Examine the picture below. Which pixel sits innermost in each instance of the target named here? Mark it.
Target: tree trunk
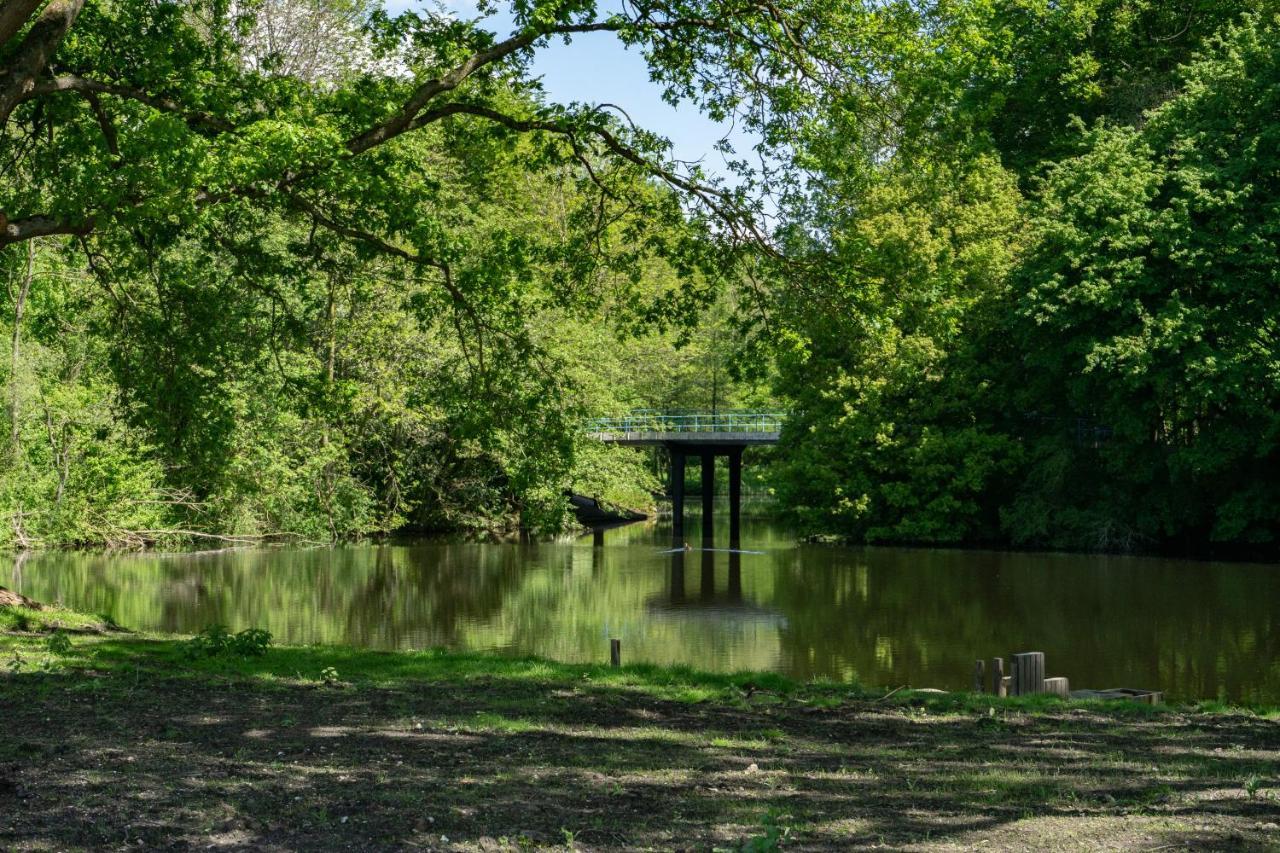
(15, 402)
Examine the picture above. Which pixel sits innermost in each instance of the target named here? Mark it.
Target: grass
(117, 739)
(46, 619)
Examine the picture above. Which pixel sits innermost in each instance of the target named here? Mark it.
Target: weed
(772, 837)
(58, 643)
(1252, 785)
(329, 675)
(217, 641)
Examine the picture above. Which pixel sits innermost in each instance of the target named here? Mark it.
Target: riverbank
(113, 739)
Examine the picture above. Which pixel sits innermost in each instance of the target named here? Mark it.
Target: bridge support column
(677, 577)
(708, 496)
(735, 497)
(677, 497)
(735, 577)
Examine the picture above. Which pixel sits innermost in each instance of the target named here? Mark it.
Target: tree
(896, 434)
(1147, 307)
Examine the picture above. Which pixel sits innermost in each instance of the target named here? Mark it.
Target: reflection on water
(879, 616)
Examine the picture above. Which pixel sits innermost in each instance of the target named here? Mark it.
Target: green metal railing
(645, 421)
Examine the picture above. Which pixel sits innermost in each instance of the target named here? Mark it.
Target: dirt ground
(116, 760)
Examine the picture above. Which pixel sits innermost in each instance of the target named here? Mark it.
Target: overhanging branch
(14, 15)
(31, 58)
(84, 86)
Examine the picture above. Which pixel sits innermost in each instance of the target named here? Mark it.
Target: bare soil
(120, 760)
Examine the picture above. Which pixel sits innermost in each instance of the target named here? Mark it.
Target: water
(880, 616)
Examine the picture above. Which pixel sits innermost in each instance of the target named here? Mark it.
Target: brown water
(880, 616)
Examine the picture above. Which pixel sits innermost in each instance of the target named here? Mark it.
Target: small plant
(1252, 785)
(774, 834)
(217, 641)
(329, 675)
(58, 643)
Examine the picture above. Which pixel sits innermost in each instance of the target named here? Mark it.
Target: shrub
(217, 641)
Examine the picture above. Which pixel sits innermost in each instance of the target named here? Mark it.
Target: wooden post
(979, 675)
(1028, 673)
(615, 653)
(997, 676)
(1058, 687)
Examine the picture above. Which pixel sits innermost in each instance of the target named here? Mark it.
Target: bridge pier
(735, 497)
(677, 496)
(679, 454)
(708, 497)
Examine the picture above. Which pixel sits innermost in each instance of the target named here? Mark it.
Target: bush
(217, 641)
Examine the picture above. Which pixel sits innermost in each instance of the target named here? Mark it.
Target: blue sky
(595, 68)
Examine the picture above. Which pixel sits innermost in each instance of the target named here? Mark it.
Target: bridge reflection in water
(879, 616)
(696, 434)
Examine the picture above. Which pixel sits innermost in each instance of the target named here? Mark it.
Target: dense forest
(315, 270)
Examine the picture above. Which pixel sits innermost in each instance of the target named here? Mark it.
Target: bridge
(702, 434)
(649, 429)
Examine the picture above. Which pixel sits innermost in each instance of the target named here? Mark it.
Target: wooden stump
(997, 676)
(1058, 687)
(979, 676)
(615, 653)
(1028, 673)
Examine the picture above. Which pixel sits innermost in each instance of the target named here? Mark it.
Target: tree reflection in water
(880, 616)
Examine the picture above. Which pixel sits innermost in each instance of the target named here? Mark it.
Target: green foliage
(1020, 288)
(1023, 74)
(1143, 308)
(273, 306)
(890, 439)
(775, 832)
(217, 641)
(58, 643)
(1082, 360)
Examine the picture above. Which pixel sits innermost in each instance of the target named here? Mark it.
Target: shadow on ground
(115, 760)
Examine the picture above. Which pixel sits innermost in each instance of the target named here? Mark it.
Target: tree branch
(17, 230)
(14, 14)
(404, 118)
(717, 201)
(33, 53)
(72, 83)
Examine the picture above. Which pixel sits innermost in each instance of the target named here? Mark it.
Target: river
(878, 616)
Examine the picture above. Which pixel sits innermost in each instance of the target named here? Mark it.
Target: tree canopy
(307, 266)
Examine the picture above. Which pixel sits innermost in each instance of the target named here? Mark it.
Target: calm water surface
(880, 616)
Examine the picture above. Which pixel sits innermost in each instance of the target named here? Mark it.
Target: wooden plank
(979, 675)
(1028, 673)
(997, 676)
(615, 653)
(1006, 684)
